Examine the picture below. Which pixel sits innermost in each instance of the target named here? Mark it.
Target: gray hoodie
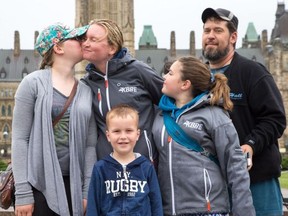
(189, 181)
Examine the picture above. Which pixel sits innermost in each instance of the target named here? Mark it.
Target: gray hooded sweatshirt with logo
(189, 181)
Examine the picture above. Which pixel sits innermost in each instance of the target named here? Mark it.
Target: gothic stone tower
(120, 11)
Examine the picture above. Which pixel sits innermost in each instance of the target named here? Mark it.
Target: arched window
(9, 110)
(8, 60)
(24, 72)
(3, 110)
(3, 74)
(26, 60)
(6, 132)
(149, 60)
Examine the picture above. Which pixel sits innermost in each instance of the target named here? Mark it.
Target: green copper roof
(251, 33)
(148, 38)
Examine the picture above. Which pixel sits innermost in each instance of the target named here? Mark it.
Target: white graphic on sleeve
(130, 186)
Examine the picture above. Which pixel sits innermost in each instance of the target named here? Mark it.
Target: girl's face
(173, 83)
(72, 49)
(95, 46)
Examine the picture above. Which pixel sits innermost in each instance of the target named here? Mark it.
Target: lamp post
(5, 136)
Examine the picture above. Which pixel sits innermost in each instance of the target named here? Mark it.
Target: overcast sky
(181, 16)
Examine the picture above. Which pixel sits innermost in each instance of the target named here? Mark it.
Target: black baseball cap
(221, 13)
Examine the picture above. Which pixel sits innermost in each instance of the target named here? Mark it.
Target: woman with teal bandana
(52, 163)
(200, 159)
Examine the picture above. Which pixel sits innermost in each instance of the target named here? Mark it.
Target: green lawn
(284, 180)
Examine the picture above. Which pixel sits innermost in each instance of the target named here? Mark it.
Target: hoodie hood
(134, 163)
(119, 60)
(168, 104)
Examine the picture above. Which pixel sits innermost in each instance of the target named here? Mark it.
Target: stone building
(17, 63)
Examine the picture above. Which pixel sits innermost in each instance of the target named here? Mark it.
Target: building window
(3, 110)
(9, 110)
(148, 60)
(26, 60)
(8, 60)
(24, 72)
(3, 74)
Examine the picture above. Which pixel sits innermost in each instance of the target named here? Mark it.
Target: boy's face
(123, 134)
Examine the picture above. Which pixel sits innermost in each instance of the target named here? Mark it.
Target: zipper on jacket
(107, 87)
(100, 101)
(207, 181)
(149, 146)
(163, 141)
(163, 136)
(171, 178)
(125, 174)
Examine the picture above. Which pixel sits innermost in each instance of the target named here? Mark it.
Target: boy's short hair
(122, 110)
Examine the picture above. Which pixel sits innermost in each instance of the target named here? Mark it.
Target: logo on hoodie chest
(123, 183)
(127, 89)
(236, 96)
(123, 88)
(194, 125)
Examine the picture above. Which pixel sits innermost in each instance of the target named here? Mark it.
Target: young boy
(124, 182)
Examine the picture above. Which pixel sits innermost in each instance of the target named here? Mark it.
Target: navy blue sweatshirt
(124, 190)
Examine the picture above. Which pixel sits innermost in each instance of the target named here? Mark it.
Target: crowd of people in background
(125, 140)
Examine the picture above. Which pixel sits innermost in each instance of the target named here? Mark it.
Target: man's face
(216, 39)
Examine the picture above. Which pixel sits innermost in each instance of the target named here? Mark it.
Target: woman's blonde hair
(202, 80)
(114, 33)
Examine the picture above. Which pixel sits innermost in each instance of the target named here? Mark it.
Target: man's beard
(215, 55)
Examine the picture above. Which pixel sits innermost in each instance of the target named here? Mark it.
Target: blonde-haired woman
(199, 152)
(115, 77)
(53, 141)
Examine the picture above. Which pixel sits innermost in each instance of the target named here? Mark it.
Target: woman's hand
(24, 210)
(84, 206)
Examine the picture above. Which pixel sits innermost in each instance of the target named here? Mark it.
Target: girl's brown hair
(202, 80)
(47, 60)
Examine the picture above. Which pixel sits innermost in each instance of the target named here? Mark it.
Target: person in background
(199, 152)
(258, 114)
(166, 67)
(52, 162)
(124, 182)
(116, 77)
